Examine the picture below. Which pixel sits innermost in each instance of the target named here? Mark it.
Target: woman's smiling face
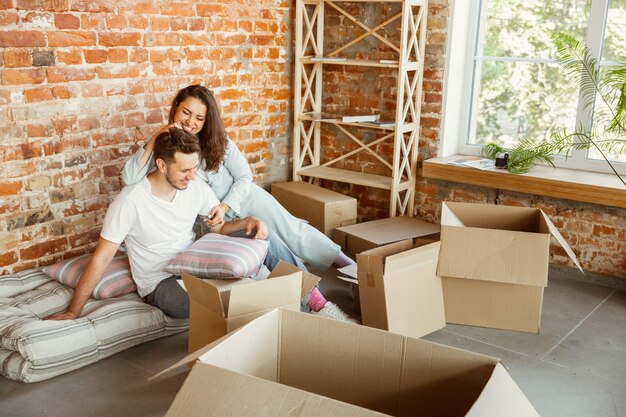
(191, 115)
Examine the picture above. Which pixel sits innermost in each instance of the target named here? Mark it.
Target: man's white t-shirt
(155, 230)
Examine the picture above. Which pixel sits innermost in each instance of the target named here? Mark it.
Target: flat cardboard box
(363, 236)
(218, 307)
(321, 208)
(289, 363)
(494, 264)
(399, 288)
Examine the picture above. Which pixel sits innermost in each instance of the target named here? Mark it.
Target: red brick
(61, 92)
(38, 94)
(66, 21)
(89, 123)
(8, 19)
(49, 5)
(35, 131)
(119, 39)
(71, 38)
(93, 6)
(17, 58)
(44, 249)
(159, 24)
(177, 9)
(6, 4)
(134, 119)
(8, 258)
(118, 55)
(23, 76)
(10, 188)
(118, 72)
(13, 38)
(158, 56)
(145, 7)
(139, 55)
(137, 22)
(194, 54)
(95, 56)
(61, 75)
(211, 10)
(178, 23)
(72, 57)
(117, 22)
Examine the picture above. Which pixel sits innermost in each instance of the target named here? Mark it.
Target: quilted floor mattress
(32, 349)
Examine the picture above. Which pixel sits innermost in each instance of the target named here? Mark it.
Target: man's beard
(178, 187)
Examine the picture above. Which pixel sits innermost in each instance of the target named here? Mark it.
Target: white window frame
(463, 48)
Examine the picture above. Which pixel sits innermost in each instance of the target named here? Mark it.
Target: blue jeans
(173, 300)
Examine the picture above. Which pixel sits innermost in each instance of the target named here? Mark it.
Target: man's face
(182, 170)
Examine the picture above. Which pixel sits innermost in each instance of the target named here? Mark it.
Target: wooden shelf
(403, 33)
(351, 177)
(568, 184)
(385, 63)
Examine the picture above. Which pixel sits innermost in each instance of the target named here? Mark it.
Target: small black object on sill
(502, 160)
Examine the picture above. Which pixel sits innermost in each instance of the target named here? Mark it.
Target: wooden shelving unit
(311, 59)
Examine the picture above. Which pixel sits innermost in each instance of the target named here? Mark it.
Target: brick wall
(596, 233)
(83, 81)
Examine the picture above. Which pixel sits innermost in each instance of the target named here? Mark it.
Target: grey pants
(173, 300)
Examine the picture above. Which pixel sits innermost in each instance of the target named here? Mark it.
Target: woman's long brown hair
(213, 138)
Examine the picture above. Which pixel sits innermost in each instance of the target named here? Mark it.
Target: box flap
(210, 391)
(490, 216)
(204, 293)
(389, 230)
(502, 397)
(309, 280)
(555, 232)
(264, 295)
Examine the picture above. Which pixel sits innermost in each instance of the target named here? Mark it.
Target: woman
(226, 170)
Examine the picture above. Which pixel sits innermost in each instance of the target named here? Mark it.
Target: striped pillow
(220, 256)
(116, 279)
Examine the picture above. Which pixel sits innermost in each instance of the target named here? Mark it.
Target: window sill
(569, 184)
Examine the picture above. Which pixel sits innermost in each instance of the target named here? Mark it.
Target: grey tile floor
(576, 367)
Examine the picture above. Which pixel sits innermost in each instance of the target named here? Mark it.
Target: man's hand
(66, 315)
(256, 226)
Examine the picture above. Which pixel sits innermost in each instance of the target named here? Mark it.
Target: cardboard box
(399, 288)
(289, 363)
(218, 307)
(363, 236)
(323, 209)
(494, 264)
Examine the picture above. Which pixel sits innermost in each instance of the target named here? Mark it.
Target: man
(155, 219)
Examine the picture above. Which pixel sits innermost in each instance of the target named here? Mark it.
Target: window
(503, 83)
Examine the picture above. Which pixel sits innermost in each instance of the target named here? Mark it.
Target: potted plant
(606, 87)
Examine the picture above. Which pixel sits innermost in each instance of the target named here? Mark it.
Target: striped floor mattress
(33, 350)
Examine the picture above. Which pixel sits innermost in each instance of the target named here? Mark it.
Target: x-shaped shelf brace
(310, 24)
(362, 147)
(308, 97)
(414, 29)
(369, 31)
(307, 150)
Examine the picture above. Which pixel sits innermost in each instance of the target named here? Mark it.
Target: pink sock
(316, 300)
(343, 260)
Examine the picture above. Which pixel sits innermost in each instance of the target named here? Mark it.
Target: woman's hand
(217, 214)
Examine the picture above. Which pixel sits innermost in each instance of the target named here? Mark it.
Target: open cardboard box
(289, 363)
(323, 209)
(494, 264)
(218, 307)
(399, 288)
(360, 237)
